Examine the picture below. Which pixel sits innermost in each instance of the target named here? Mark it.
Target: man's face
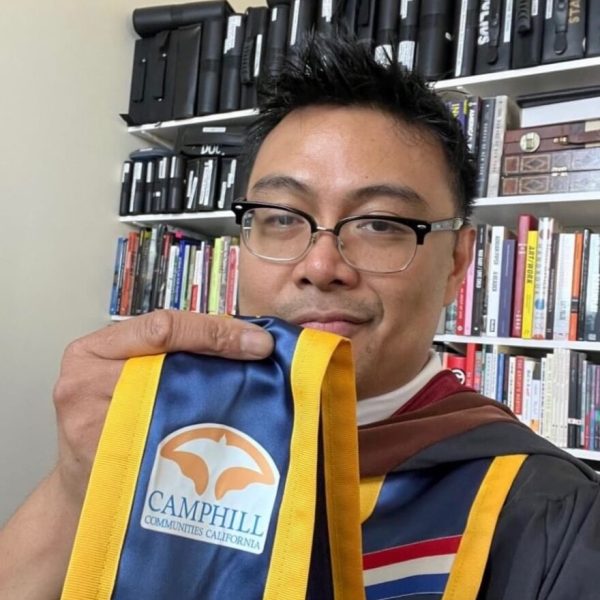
(337, 162)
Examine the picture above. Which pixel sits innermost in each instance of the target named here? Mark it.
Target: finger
(175, 331)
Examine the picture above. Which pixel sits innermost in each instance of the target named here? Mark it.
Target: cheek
(260, 285)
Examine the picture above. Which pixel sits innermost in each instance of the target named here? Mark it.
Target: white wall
(64, 68)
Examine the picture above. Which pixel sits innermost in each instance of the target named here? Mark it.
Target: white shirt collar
(381, 407)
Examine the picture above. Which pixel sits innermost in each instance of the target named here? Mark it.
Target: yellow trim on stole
(370, 488)
(340, 452)
(290, 558)
(109, 497)
(467, 571)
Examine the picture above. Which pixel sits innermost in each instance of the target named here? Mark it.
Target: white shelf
(584, 454)
(579, 209)
(217, 222)
(543, 78)
(164, 133)
(518, 342)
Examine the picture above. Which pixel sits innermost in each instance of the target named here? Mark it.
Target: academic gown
(546, 545)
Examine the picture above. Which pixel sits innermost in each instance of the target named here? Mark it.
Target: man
(341, 137)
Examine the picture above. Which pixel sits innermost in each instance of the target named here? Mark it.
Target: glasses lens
(377, 245)
(275, 233)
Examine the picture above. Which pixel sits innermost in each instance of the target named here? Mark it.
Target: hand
(92, 364)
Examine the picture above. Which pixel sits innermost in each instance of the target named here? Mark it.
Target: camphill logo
(212, 483)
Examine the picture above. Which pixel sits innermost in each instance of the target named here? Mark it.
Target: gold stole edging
(474, 549)
(322, 366)
(111, 489)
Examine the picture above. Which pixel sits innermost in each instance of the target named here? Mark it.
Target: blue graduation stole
(427, 533)
(211, 473)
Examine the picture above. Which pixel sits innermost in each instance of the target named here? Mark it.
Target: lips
(345, 325)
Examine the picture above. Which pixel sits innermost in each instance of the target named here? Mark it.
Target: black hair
(341, 71)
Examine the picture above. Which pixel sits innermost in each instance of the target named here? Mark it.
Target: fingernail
(256, 343)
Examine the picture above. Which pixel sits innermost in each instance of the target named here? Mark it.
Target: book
(506, 116)
(215, 276)
(547, 226)
(494, 271)
(529, 285)
(482, 243)
(526, 223)
(128, 273)
(505, 309)
(550, 308)
(486, 126)
(585, 256)
(117, 275)
(575, 288)
(564, 284)
(465, 37)
(591, 332)
(469, 283)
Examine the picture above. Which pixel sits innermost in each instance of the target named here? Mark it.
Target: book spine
(506, 287)
(485, 140)
(564, 283)
(482, 243)
(585, 259)
(526, 222)
(510, 396)
(117, 276)
(132, 243)
(232, 280)
(575, 297)
(494, 272)
(545, 230)
(529, 287)
(215, 276)
(502, 119)
(518, 407)
(591, 331)
(552, 289)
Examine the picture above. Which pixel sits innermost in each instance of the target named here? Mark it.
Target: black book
(148, 96)
(564, 30)
(495, 33)
(229, 96)
(161, 186)
(136, 198)
(551, 304)
(386, 31)
(149, 186)
(466, 27)
(482, 244)
(193, 174)
(175, 198)
(528, 32)
(593, 29)
(209, 171)
(486, 127)
(434, 44)
(209, 77)
(408, 32)
(302, 21)
(365, 21)
(185, 46)
(279, 15)
(126, 178)
(226, 186)
(253, 51)
(148, 21)
(325, 23)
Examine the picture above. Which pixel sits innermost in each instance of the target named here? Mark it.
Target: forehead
(333, 158)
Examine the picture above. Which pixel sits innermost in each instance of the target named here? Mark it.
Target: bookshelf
(571, 209)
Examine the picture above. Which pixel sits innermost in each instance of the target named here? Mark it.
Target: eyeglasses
(371, 243)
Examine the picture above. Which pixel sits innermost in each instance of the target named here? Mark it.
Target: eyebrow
(403, 193)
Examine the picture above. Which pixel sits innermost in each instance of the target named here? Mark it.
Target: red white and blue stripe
(418, 568)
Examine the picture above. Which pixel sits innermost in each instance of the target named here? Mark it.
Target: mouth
(344, 325)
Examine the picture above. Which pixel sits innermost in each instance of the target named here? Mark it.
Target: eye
(381, 227)
(282, 220)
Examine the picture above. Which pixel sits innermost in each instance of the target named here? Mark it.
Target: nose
(323, 266)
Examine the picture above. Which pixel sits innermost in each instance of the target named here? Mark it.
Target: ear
(462, 255)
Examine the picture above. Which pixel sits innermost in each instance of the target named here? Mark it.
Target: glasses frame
(421, 228)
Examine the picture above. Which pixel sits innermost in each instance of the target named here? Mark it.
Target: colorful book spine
(529, 285)
(591, 331)
(575, 288)
(494, 272)
(526, 223)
